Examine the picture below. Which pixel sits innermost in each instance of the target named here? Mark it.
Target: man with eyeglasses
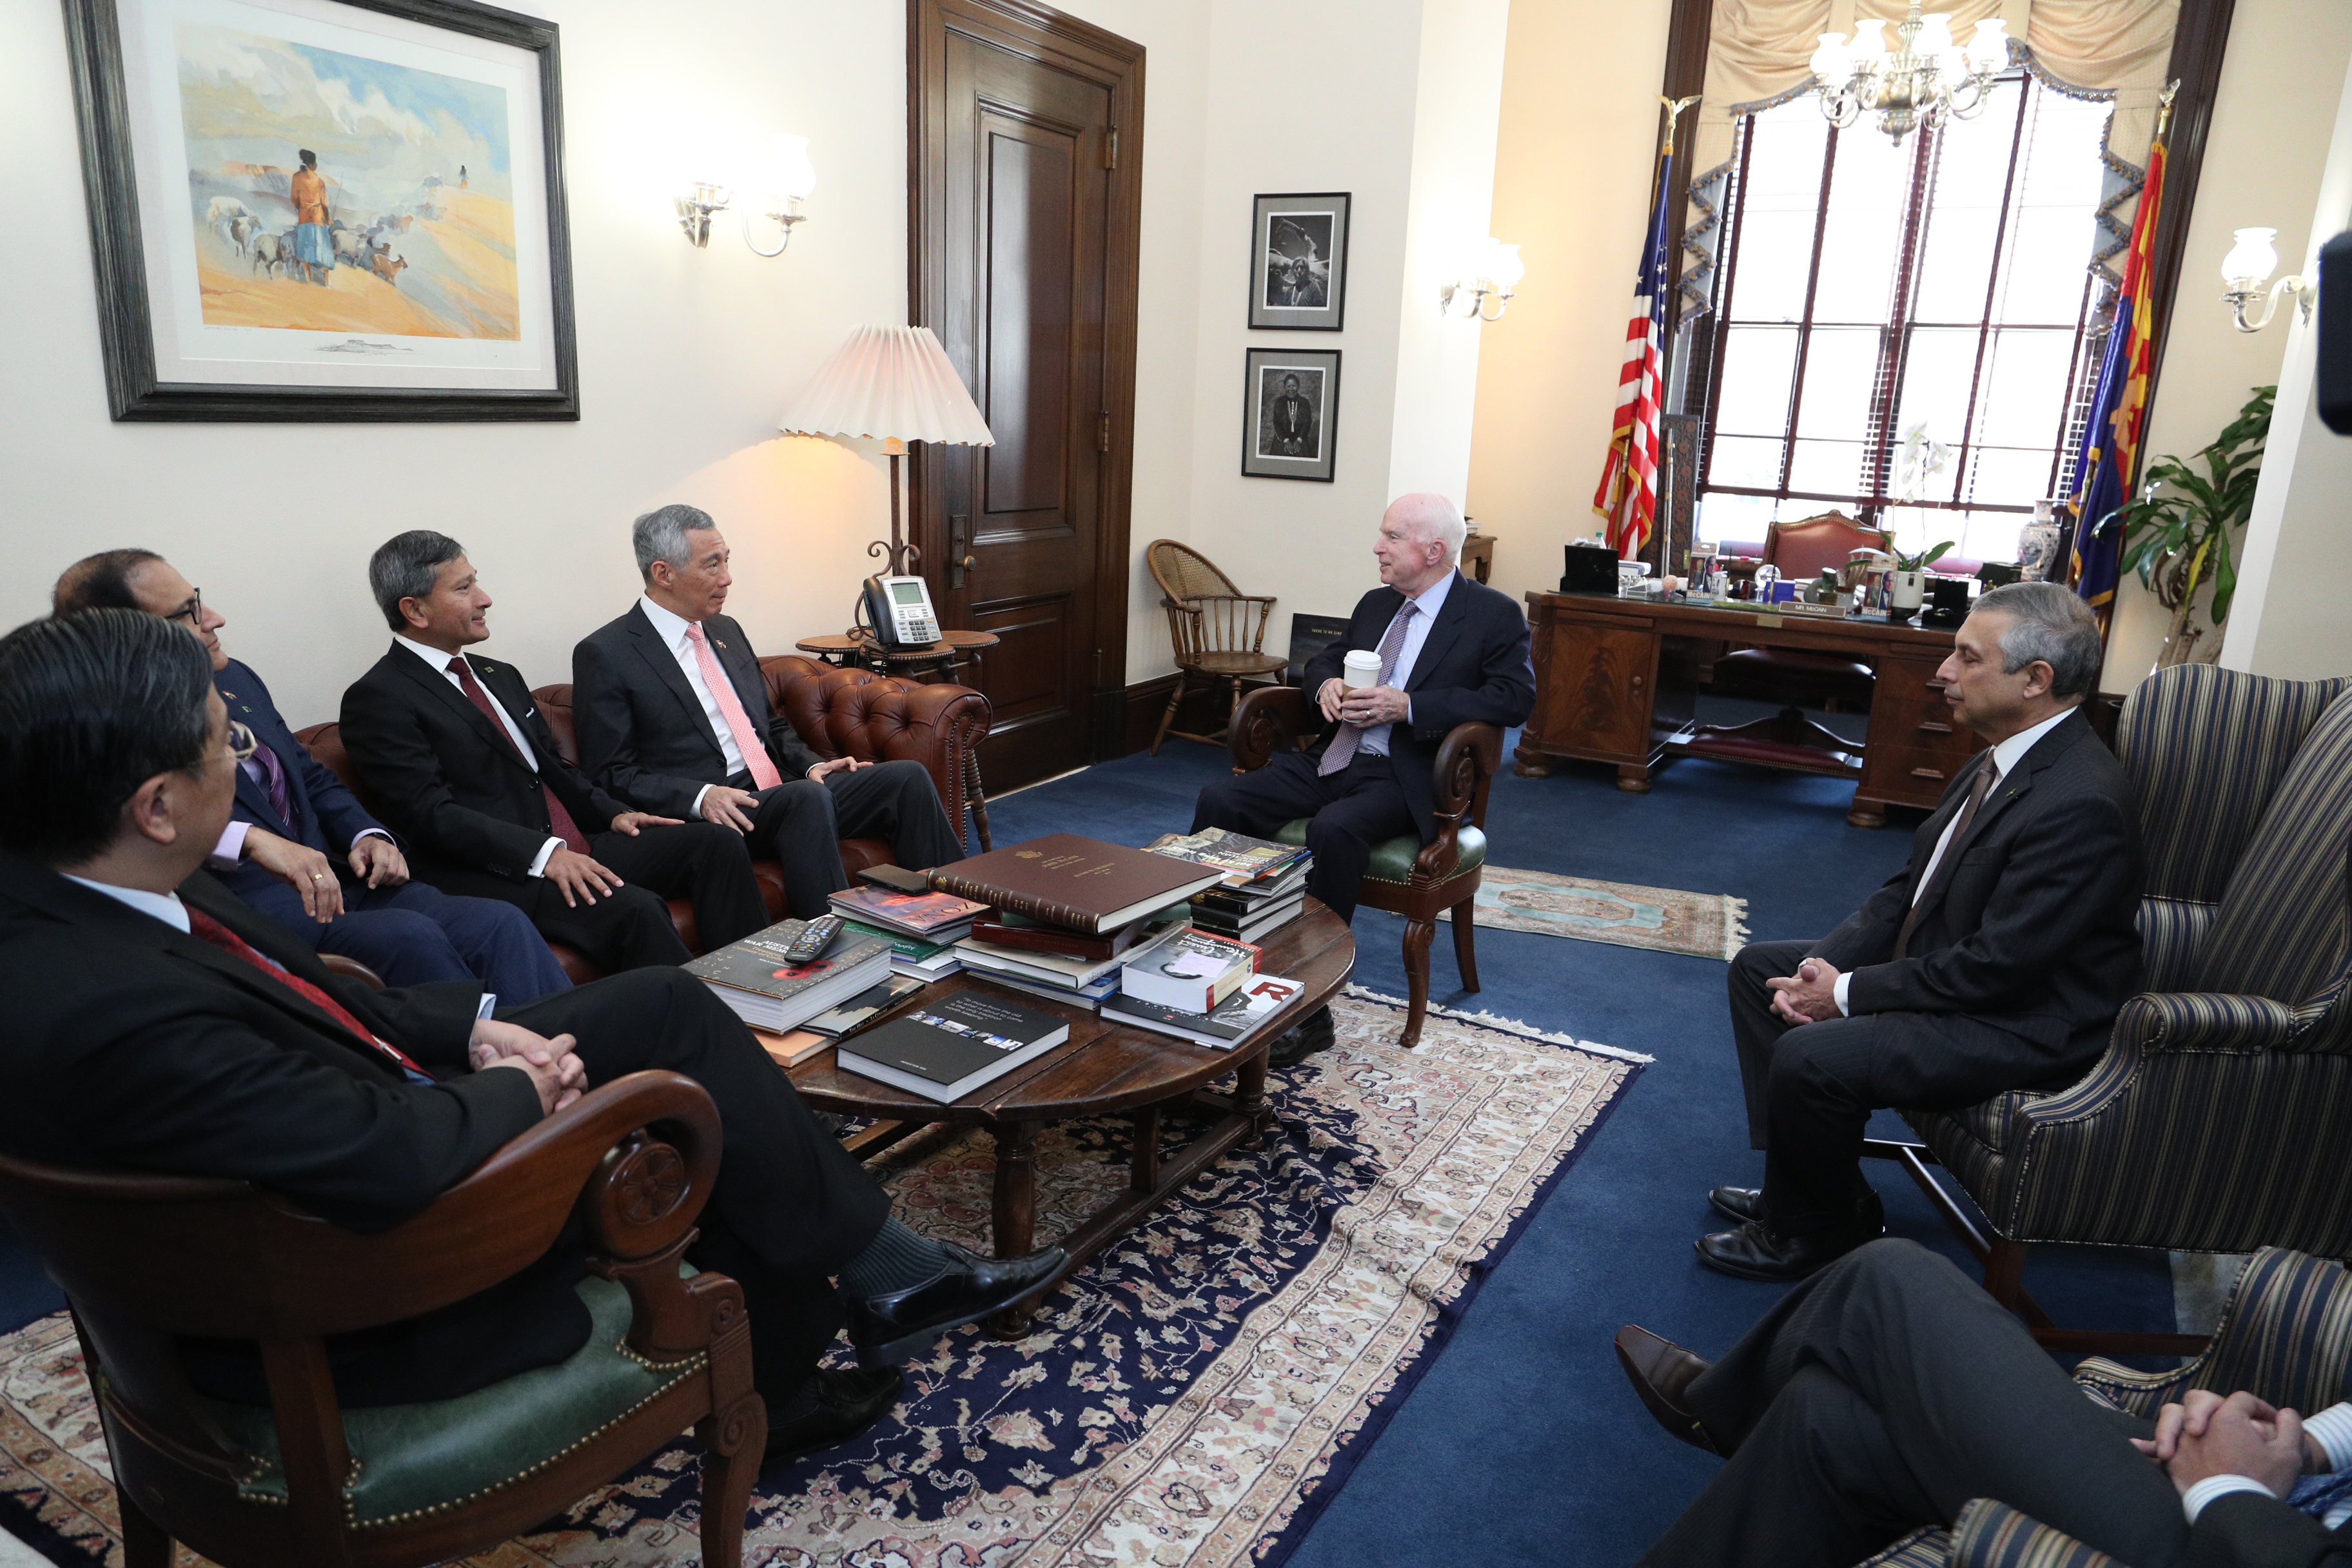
(300, 847)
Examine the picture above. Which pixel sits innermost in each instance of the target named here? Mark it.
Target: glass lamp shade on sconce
(788, 178)
(2247, 268)
(1491, 272)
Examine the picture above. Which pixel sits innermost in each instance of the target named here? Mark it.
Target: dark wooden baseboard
(1202, 712)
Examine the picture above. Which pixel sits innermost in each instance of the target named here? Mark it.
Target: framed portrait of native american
(1290, 411)
(1299, 262)
(326, 209)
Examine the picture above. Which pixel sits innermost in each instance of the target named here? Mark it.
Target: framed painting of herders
(326, 209)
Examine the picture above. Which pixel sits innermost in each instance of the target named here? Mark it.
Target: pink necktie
(731, 708)
(1343, 745)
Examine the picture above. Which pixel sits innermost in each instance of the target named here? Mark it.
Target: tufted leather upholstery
(837, 712)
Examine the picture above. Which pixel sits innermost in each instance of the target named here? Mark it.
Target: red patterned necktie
(1343, 745)
(209, 930)
(558, 820)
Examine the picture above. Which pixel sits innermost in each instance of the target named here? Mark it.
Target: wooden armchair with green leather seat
(145, 1259)
(1407, 878)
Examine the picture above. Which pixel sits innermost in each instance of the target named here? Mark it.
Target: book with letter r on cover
(944, 1049)
(752, 977)
(1084, 884)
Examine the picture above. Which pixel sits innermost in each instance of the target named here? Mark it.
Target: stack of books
(753, 978)
(1191, 971)
(1239, 1018)
(1060, 965)
(944, 1049)
(1264, 884)
(921, 928)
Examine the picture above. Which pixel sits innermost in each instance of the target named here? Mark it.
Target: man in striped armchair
(1886, 1391)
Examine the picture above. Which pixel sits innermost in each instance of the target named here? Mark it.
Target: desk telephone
(900, 610)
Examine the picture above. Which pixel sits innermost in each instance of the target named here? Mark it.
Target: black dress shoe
(1740, 1204)
(1314, 1033)
(886, 1329)
(1755, 1251)
(1660, 1372)
(847, 1402)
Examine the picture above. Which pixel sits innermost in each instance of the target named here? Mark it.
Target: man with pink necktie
(457, 757)
(673, 716)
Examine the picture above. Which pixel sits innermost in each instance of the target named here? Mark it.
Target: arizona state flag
(1628, 493)
(2111, 435)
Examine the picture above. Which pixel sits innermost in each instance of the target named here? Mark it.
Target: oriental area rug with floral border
(1195, 1396)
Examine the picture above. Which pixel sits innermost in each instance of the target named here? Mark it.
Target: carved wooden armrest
(1267, 719)
(1466, 765)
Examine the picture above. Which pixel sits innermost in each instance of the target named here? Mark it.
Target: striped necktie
(1342, 749)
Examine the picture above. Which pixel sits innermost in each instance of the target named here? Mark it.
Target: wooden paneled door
(1025, 146)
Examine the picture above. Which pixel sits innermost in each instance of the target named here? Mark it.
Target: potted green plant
(1908, 585)
(2176, 535)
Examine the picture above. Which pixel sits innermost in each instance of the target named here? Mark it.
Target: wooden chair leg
(2004, 1277)
(734, 1440)
(144, 1543)
(1418, 935)
(1168, 716)
(1465, 940)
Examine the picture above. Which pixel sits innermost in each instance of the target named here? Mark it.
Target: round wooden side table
(938, 661)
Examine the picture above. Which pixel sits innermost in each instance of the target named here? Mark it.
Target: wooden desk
(1615, 680)
(1478, 555)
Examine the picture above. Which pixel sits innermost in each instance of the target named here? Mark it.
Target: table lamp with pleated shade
(892, 384)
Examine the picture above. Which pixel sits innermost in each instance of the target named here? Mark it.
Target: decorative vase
(1905, 590)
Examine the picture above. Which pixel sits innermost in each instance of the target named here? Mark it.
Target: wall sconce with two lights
(793, 178)
(2248, 266)
(1491, 272)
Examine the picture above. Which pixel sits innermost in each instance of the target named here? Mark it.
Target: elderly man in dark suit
(454, 747)
(1886, 1391)
(157, 1024)
(674, 718)
(1995, 960)
(1452, 652)
(299, 847)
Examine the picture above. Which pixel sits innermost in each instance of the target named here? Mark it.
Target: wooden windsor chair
(1219, 632)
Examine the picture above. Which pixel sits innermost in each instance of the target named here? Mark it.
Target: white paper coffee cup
(1360, 669)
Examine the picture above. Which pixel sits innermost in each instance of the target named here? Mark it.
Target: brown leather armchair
(837, 712)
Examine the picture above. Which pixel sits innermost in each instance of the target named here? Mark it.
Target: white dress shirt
(1426, 605)
(440, 663)
(673, 628)
(2006, 755)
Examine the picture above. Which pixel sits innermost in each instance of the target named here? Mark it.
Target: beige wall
(1580, 121)
(2272, 117)
(2289, 619)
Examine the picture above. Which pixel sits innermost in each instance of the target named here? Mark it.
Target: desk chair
(1801, 550)
(1208, 619)
(1406, 877)
(2284, 1335)
(145, 1259)
(2216, 1120)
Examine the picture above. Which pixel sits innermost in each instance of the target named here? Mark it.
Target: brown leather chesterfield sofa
(838, 713)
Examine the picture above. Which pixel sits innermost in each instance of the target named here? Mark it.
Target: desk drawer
(1913, 770)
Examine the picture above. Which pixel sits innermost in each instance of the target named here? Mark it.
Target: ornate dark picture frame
(1299, 261)
(127, 320)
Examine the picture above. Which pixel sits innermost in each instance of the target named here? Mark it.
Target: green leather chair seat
(1392, 859)
(413, 1460)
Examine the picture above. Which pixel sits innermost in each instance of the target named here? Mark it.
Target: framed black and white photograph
(1299, 262)
(312, 210)
(1290, 413)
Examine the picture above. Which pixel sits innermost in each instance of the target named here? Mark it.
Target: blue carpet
(1523, 1436)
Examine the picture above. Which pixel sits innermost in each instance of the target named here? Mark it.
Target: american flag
(1628, 496)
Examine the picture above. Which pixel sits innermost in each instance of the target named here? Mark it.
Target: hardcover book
(1082, 883)
(944, 1049)
(1241, 858)
(862, 1009)
(1006, 930)
(752, 977)
(791, 1051)
(933, 917)
(1233, 1021)
(1192, 970)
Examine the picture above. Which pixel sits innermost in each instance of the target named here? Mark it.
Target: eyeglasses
(192, 612)
(242, 742)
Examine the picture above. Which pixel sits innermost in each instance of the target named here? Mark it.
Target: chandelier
(1925, 80)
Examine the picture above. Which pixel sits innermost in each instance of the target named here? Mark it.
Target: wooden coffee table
(1103, 1067)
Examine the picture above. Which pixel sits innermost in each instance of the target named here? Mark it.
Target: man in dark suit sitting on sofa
(1452, 652)
(156, 1023)
(1995, 960)
(674, 718)
(299, 847)
(454, 747)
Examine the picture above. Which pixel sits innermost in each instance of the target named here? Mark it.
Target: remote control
(814, 938)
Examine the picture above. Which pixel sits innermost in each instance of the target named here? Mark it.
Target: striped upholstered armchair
(2216, 1120)
(2285, 1334)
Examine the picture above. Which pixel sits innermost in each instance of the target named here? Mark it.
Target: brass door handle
(1926, 773)
(969, 562)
